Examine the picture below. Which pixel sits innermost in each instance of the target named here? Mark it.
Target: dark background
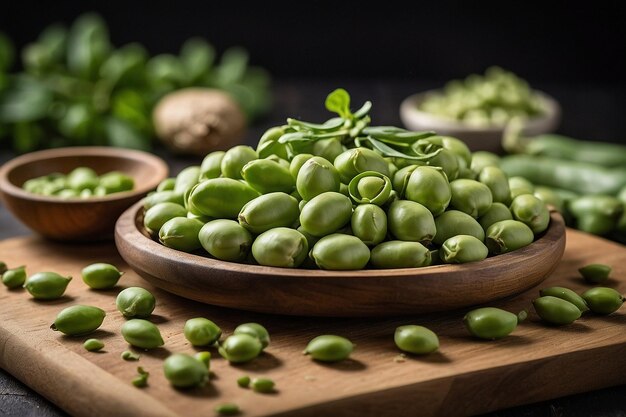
(577, 54)
(546, 42)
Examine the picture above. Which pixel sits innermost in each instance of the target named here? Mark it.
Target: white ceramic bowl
(477, 138)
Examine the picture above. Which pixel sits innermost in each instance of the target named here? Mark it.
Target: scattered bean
(78, 319)
(329, 348)
(93, 345)
(595, 273)
(142, 334)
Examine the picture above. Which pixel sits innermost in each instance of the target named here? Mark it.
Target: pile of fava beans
(335, 203)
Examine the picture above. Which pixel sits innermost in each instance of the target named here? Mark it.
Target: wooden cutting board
(465, 377)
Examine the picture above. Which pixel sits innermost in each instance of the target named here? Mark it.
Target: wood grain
(362, 293)
(75, 218)
(466, 377)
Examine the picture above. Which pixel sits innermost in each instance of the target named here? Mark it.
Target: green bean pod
(579, 177)
(597, 214)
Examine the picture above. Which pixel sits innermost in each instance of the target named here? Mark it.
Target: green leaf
(396, 134)
(24, 101)
(364, 110)
(232, 66)
(329, 125)
(165, 70)
(26, 137)
(121, 134)
(125, 65)
(197, 57)
(6, 52)
(130, 105)
(88, 46)
(388, 151)
(54, 40)
(338, 102)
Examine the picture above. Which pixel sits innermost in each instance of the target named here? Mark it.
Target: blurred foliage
(76, 88)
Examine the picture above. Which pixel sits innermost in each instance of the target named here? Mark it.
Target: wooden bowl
(477, 138)
(76, 219)
(337, 293)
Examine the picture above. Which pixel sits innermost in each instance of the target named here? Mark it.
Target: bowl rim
(6, 186)
(409, 110)
(127, 229)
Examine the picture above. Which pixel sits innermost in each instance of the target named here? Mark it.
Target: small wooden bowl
(477, 138)
(383, 292)
(76, 219)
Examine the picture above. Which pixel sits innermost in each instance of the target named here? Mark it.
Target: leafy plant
(76, 88)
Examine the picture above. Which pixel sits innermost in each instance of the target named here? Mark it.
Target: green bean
(185, 371)
(201, 332)
(47, 285)
(563, 147)
(416, 339)
(227, 409)
(595, 273)
(142, 334)
(15, 277)
(204, 357)
(135, 302)
(490, 323)
(127, 355)
(141, 380)
(93, 345)
(240, 347)
(101, 276)
(79, 319)
(579, 177)
(262, 385)
(243, 381)
(255, 330)
(555, 310)
(603, 300)
(567, 295)
(329, 348)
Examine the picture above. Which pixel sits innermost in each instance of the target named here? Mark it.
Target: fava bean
(47, 285)
(79, 319)
(142, 334)
(555, 310)
(595, 273)
(603, 300)
(329, 348)
(490, 323)
(416, 339)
